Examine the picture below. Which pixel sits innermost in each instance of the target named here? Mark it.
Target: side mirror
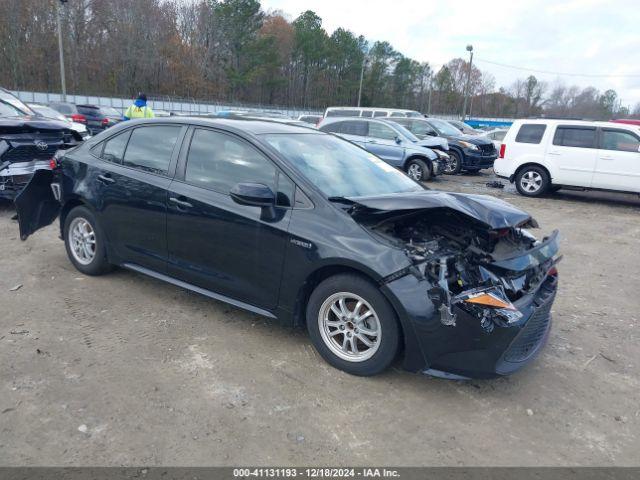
(432, 133)
(253, 194)
(398, 140)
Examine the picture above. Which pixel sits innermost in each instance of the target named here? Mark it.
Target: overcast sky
(596, 37)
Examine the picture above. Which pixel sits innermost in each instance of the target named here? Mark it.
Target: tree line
(234, 51)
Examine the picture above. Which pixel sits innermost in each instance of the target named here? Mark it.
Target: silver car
(391, 142)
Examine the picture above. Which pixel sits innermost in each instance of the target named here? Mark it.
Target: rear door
(573, 154)
(131, 181)
(381, 141)
(618, 163)
(215, 243)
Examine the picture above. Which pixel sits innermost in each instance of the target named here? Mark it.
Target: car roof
(568, 121)
(256, 127)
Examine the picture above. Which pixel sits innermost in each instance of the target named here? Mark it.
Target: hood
(434, 142)
(489, 211)
(476, 140)
(30, 124)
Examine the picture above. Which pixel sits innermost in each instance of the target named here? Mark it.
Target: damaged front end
(478, 266)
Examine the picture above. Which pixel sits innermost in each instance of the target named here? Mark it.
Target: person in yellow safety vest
(139, 109)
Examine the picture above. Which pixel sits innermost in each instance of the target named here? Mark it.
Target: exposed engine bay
(479, 269)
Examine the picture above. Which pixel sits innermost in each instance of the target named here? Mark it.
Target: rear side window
(380, 114)
(354, 128)
(367, 113)
(620, 141)
(530, 133)
(218, 161)
(114, 147)
(332, 127)
(397, 114)
(575, 137)
(150, 148)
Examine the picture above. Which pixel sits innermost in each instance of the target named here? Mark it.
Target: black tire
(96, 264)
(454, 166)
(532, 181)
(419, 170)
(384, 349)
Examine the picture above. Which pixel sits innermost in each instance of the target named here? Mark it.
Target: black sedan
(305, 227)
(468, 153)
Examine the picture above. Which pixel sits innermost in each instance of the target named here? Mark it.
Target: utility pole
(364, 62)
(430, 92)
(466, 90)
(62, 79)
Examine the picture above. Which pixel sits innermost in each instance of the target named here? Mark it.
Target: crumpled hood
(26, 123)
(492, 212)
(434, 142)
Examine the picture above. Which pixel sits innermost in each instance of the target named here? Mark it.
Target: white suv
(546, 155)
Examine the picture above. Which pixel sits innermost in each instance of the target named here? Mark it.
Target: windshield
(339, 168)
(7, 110)
(406, 132)
(444, 128)
(48, 112)
(110, 111)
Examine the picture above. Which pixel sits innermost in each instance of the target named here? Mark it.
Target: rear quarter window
(530, 133)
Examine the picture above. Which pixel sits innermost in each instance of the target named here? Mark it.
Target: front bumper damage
(475, 300)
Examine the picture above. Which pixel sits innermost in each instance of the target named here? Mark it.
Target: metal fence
(169, 104)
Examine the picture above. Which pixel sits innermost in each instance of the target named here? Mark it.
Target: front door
(572, 155)
(618, 165)
(131, 182)
(214, 243)
(381, 141)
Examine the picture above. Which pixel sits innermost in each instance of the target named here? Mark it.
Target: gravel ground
(126, 370)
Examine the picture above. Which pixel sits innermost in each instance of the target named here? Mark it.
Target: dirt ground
(126, 370)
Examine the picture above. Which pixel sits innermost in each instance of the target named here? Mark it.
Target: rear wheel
(532, 181)
(352, 325)
(418, 170)
(454, 165)
(85, 243)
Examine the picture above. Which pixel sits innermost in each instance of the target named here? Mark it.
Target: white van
(370, 112)
(546, 155)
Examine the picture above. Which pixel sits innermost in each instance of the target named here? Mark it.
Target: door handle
(106, 179)
(180, 203)
(554, 153)
(606, 158)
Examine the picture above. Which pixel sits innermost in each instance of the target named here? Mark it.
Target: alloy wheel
(415, 171)
(349, 327)
(82, 240)
(531, 181)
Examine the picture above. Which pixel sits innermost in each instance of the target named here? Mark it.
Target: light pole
(364, 62)
(466, 90)
(62, 79)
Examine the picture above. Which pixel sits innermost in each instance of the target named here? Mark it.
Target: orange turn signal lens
(490, 300)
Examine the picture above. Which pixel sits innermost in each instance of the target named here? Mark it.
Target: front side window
(422, 128)
(150, 148)
(219, 161)
(377, 130)
(339, 168)
(530, 133)
(575, 137)
(620, 141)
(114, 147)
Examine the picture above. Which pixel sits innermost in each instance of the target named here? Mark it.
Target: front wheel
(84, 242)
(352, 325)
(418, 170)
(454, 165)
(532, 181)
